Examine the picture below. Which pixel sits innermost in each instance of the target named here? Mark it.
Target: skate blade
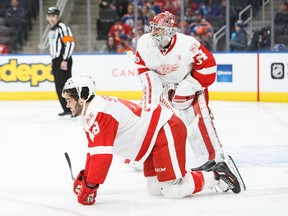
(236, 172)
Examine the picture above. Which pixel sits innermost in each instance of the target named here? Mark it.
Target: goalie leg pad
(203, 137)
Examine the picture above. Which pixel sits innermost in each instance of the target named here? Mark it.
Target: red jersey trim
(171, 46)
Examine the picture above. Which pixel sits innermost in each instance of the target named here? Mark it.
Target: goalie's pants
(167, 159)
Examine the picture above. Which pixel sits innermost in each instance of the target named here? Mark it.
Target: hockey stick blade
(69, 164)
(237, 173)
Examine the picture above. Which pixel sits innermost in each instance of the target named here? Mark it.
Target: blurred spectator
(117, 29)
(128, 18)
(232, 12)
(121, 7)
(3, 49)
(281, 19)
(15, 10)
(146, 11)
(239, 37)
(201, 27)
(110, 46)
(140, 24)
(280, 48)
(209, 8)
(143, 16)
(188, 16)
(154, 7)
(125, 44)
(191, 4)
(107, 4)
(173, 6)
(260, 40)
(15, 17)
(140, 32)
(207, 43)
(181, 25)
(106, 19)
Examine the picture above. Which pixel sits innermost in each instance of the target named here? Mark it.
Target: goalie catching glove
(185, 93)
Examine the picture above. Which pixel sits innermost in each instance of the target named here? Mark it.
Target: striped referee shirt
(61, 41)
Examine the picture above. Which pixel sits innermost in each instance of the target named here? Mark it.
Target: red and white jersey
(185, 55)
(114, 126)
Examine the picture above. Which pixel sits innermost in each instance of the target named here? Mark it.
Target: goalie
(156, 138)
(175, 70)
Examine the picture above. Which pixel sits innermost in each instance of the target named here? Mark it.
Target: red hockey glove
(87, 195)
(78, 182)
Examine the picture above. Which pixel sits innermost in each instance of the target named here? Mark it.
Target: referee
(61, 48)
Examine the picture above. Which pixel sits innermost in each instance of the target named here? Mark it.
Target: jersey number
(201, 57)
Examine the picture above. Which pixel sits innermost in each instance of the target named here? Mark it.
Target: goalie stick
(69, 164)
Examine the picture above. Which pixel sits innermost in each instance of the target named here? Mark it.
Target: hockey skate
(228, 173)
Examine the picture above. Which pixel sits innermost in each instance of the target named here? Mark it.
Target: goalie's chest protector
(175, 63)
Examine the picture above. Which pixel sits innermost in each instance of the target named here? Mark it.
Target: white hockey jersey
(114, 126)
(185, 55)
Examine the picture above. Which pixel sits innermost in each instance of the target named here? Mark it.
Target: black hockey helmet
(53, 10)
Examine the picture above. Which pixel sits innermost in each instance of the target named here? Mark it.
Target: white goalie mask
(78, 83)
(163, 28)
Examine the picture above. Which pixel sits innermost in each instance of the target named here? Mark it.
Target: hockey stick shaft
(69, 164)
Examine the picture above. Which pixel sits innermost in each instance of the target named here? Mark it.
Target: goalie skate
(228, 172)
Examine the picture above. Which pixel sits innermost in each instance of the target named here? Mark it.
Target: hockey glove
(87, 195)
(78, 182)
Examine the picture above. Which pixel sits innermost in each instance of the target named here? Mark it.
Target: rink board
(240, 76)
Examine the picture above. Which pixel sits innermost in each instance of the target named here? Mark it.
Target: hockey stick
(69, 164)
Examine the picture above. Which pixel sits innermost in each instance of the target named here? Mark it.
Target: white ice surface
(35, 178)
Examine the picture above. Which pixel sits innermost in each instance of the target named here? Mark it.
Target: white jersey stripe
(210, 70)
(100, 150)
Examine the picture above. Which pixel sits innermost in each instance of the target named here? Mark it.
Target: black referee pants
(60, 77)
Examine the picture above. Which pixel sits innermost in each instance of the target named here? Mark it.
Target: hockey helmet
(163, 28)
(53, 10)
(75, 85)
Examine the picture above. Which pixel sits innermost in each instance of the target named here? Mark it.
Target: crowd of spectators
(202, 18)
(15, 22)
(261, 38)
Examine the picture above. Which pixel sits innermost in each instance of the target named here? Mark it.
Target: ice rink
(35, 178)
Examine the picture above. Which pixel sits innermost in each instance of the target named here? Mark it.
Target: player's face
(52, 19)
(157, 31)
(76, 107)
